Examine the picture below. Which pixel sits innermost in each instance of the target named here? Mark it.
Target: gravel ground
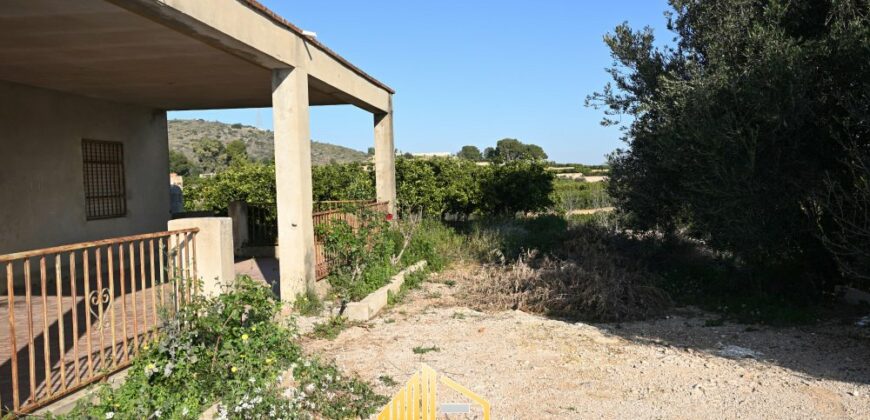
(532, 367)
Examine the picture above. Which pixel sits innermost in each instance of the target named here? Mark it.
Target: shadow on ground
(833, 350)
(264, 269)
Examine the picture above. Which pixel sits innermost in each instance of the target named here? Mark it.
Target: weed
(387, 380)
(458, 315)
(230, 350)
(331, 328)
(718, 322)
(308, 304)
(450, 283)
(424, 350)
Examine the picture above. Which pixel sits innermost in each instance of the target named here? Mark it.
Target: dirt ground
(532, 367)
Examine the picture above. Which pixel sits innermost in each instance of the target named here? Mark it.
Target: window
(105, 194)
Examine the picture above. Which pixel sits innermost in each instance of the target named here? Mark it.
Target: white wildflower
(309, 388)
(110, 415)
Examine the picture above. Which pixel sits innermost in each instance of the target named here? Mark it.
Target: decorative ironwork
(100, 301)
(75, 287)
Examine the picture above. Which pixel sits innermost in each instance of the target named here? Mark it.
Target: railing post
(213, 255)
(238, 212)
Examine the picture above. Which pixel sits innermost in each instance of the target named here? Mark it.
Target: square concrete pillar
(385, 158)
(296, 258)
(238, 212)
(214, 250)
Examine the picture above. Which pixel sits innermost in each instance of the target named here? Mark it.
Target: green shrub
(361, 255)
(229, 349)
(348, 181)
(569, 194)
(434, 242)
(253, 183)
(515, 187)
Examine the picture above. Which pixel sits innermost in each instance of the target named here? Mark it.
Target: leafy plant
(308, 304)
(331, 328)
(230, 350)
(424, 350)
(362, 254)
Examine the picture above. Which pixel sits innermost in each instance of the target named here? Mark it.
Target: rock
(737, 352)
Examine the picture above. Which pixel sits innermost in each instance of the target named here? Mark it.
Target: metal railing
(350, 212)
(98, 303)
(262, 225)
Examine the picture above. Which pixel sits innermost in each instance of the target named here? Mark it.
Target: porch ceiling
(97, 49)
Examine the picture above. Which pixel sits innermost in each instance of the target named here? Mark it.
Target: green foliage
(437, 187)
(253, 183)
(387, 380)
(425, 349)
(569, 194)
(230, 350)
(515, 187)
(433, 242)
(431, 187)
(331, 328)
(735, 130)
(361, 252)
(308, 304)
(237, 152)
(511, 150)
(471, 153)
(180, 164)
(843, 215)
(211, 155)
(349, 181)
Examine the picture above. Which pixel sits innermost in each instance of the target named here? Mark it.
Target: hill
(260, 143)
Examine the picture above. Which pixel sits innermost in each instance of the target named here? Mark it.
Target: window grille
(105, 192)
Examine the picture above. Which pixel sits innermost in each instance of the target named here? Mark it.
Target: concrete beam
(238, 28)
(385, 158)
(296, 256)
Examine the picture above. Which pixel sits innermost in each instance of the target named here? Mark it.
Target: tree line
(434, 187)
(505, 150)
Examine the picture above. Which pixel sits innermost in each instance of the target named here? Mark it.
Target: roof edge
(274, 17)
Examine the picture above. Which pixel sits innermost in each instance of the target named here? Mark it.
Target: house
(84, 91)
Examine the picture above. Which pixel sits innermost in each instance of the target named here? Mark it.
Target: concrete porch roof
(172, 54)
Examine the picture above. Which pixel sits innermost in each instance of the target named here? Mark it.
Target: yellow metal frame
(416, 400)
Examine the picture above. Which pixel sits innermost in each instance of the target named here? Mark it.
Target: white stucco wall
(41, 183)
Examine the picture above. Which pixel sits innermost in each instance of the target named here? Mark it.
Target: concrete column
(296, 256)
(385, 158)
(238, 212)
(214, 250)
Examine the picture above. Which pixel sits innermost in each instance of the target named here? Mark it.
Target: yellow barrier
(416, 400)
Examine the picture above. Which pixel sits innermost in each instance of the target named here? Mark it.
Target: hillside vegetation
(183, 134)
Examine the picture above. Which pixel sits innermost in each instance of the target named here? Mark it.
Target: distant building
(432, 155)
(560, 168)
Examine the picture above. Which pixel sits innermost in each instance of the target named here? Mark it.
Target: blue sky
(470, 72)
